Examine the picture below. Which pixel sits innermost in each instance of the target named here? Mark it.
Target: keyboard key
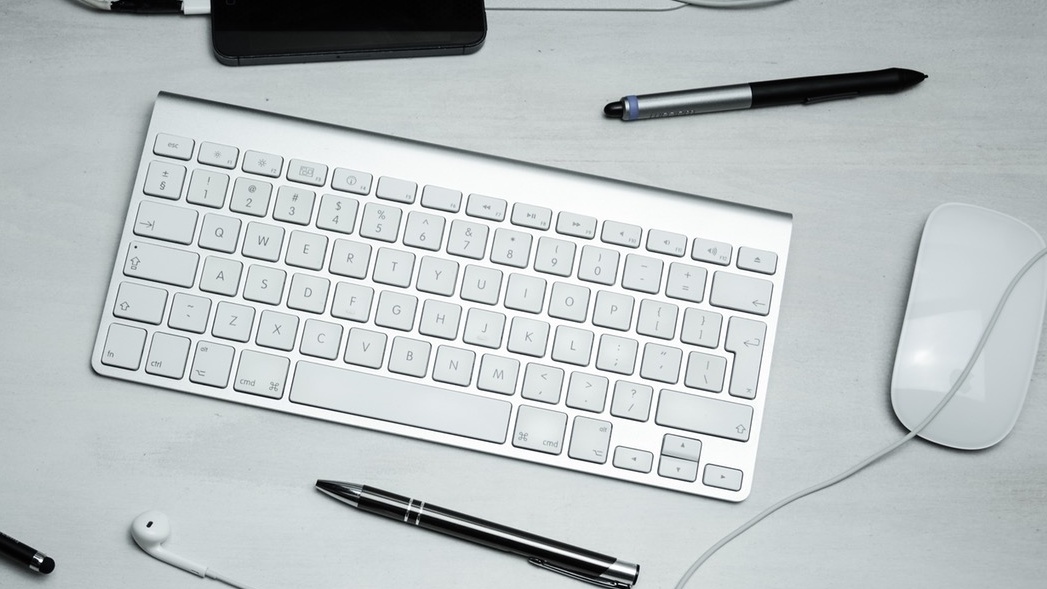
(437, 275)
(337, 213)
(569, 301)
(381, 222)
(215, 154)
(277, 330)
(745, 338)
(453, 366)
(310, 173)
(164, 180)
(264, 284)
(395, 267)
(681, 447)
(440, 319)
(353, 181)
(722, 477)
(498, 374)
(481, 284)
(189, 313)
(365, 348)
(703, 415)
(573, 345)
(590, 439)
(599, 265)
(657, 319)
(631, 401)
(173, 146)
(666, 242)
(676, 468)
(701, 328)
(761, 261)
(352, 302)
(159, 263)
(621, 234)
(164, 222)
(525, 293)
(219, 233)
(485, 207)
(661, 363)
(633, 459)
(396, 310)
(207, 188)
(308, 293)
(261, 374)
(642, 273)
(407, 403)
(167, 355)
(294, 205)
(685, 282)
(705, 372)
(441, 199)
(409, 356)
(484, 328)
(396, 190)
(467, 239)
(350, 258)
(617, 354)
(714, 252)
(212, 364)
(123, 346)
(321, 339)
(542, 383)
(140, 303)
(554, 256)
(613, 310)
(511, 248)
(424, 231)
(263, 242)
(221, 276)
(263, 164)
(250, 197)
(233, 322)
(531, 216)
(306, 250)
(741, 293)
(540, 430)
(576, 225)
(529, 337)
(587, 392)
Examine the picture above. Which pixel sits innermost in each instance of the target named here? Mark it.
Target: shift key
(158, 263)
(703, 415)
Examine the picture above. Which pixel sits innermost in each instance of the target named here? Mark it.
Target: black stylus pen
(26, 556)
(757, 94)
(577, 563)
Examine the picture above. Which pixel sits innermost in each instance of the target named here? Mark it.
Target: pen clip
(827, 98)
(577, 576)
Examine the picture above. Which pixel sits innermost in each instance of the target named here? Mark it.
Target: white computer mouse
(967, 257)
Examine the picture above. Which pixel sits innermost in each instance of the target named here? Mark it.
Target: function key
(346, 180)
(576, 225)
(441, 199)
(532, 216)
(486, 207)
(714, 252)
(173, 146)
(215, 154)
(761, 261)
(396, 190)
(263, 164)
(664, 242)
(307, 172)
(621, 234)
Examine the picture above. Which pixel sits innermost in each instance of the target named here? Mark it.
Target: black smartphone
(248, 32)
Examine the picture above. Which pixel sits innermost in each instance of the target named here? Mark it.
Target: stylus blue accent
(634, 108)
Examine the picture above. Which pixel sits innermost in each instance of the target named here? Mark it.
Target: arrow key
(675, 468)
(722, 477)
(633, 459)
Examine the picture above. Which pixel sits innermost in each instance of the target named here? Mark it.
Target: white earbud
(150, 530)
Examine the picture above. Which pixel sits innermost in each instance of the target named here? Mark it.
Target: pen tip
(48, 565)
(614, 109)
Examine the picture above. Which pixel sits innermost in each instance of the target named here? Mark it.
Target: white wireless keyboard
(524, 311)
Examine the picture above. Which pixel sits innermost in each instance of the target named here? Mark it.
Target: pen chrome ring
(37, 562)
(689, 102)
(623, 574)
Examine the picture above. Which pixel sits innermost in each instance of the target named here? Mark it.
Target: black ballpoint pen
(36, 561)
(807, 90)
(577, 563)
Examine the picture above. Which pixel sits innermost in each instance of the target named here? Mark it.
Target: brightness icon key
(263, 164)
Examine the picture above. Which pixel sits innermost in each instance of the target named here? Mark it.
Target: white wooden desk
(81, 455)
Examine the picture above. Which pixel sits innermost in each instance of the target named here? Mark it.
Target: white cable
(731, 3)
(219, 577)
(681, 4)
(885, 451)
(191, 7)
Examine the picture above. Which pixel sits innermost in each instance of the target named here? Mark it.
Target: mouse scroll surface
(967, 257)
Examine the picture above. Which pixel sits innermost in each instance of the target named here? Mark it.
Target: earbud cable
(212, 574)
(888, 449)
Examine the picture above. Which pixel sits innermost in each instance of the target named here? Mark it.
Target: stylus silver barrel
(692, 102)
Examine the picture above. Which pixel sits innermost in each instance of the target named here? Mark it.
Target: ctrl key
(123, 346)
(540, 430)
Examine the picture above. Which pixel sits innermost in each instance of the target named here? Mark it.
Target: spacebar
(406, 403)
